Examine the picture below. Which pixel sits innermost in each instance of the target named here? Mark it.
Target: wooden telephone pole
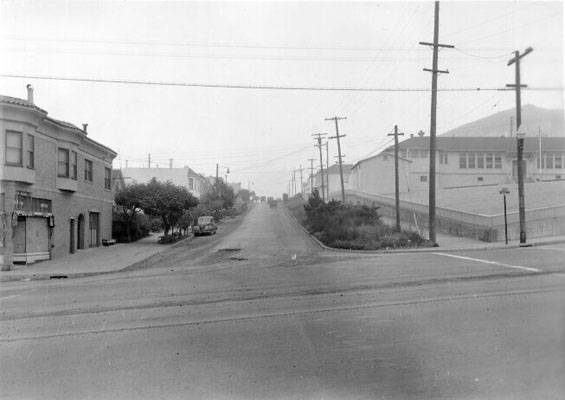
(338, 136)
(396, 180)
(319, 146)
(520, 142)
(432, 178)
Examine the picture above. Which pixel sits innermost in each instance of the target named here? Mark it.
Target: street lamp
(504, 191)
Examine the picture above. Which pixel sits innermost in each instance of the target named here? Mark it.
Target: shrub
(352, 227)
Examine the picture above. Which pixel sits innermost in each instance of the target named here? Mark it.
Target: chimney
(411, 135)
(84, 128)
(421, 133)
(29, 93)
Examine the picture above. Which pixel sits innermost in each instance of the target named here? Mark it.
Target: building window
(443, 158)
(479, 178)
(88, 170)
(74, 165)
(489, 158)
(63, 170)
(480, 160)
(462, 160)
(30, 151)
(497, 161)
(14, 148)
(190, 183)
(107, 178)
(423, 178)
(558, 161)
(41, 205)
(549, 160)
(471, 160)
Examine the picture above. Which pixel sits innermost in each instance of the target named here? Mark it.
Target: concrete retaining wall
(543, 222)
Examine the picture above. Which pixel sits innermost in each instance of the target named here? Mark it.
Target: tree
(221, 196)
(167, 201)
(244, 195)
(129, 203)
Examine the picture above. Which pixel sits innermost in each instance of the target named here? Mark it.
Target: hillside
(551, 123)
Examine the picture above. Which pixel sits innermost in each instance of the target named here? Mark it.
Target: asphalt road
(261, 312)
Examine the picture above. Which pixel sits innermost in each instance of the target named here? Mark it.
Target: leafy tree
(244, 195)
(129, 203)
(167, 201)
(221, 196)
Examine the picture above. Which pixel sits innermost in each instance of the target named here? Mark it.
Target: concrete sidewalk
(88, 262)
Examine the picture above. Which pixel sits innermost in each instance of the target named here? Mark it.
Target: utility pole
(337, 136)
(148, 160)
(294, 181)
(301, 182)
(170, 163)
(319, 146)
(396, 189)
(432, 178)
(520, 141)
(311, 175)
(328, 170)
(217, 169)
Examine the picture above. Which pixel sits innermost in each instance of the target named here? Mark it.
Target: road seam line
(530, 269)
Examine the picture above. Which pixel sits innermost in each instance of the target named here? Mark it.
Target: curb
(46, 276)
(419, 250)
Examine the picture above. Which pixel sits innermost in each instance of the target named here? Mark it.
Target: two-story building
(55, 185)
(461, 162)
(195, 183)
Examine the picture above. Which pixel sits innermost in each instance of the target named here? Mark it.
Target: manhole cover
(238, 258)
(228, 250)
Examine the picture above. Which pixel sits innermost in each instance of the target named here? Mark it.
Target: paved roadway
(264, 313)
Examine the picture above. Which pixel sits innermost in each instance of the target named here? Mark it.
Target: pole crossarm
(518, 56)
(447, 46)
(440, 71)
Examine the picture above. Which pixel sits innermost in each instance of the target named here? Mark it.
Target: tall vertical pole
(328, 170)
(505, 221)
(148, 160)
(294, 181)
(338, 136)
(217, 169)
(311, 175)
(520, 142)
(432, 178)
(301, 183)
(319, 146)
(396, 180)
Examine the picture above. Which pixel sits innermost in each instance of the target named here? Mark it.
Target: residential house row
(55, 185)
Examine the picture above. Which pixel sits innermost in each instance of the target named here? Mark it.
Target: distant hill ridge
(550, 121)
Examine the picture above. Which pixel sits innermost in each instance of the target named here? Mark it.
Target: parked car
(205, 226)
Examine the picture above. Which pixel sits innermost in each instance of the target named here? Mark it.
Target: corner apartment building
(461, 162)
(55, 185)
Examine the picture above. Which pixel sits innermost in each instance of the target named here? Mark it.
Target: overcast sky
(261, 135)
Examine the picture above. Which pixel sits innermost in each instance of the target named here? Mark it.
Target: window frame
(88, 170)
(66, 163)
(73, 161)
(107, 178)
(8, 148)
(462, 160)
(30, 151)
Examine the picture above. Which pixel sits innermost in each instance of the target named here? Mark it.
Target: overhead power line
(263, 87)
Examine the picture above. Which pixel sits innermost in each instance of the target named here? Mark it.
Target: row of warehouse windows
(480, 160)
(551, 161)
(67, 159)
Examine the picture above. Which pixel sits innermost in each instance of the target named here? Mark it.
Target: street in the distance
(267, 313)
